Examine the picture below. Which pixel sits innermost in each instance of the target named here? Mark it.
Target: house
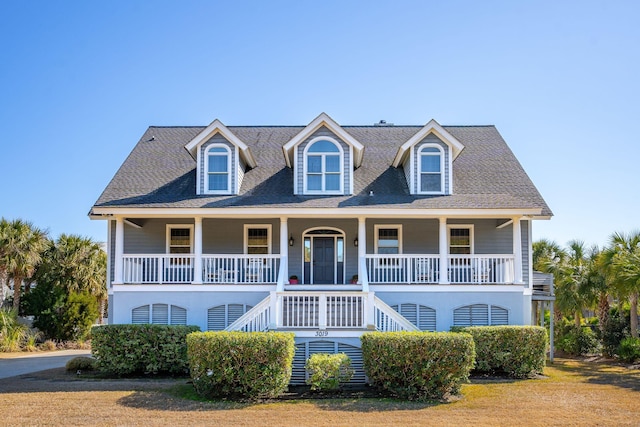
(324, 230)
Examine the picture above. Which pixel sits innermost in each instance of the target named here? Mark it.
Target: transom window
(218, 168)
(179, 239)
(257, 239)
(323, 167)
(431, 159)
(460, 240)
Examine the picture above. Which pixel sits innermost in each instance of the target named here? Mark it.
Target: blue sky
(81, 81)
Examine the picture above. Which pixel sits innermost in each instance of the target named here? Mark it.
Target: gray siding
(217, 139)
(112, 251)
(430, 139)
(226, 236)
(488, 239)
(419, 236)
(151, 238)
(299, 161)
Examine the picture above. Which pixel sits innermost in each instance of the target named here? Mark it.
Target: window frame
(245, 243)
(207, 174)
(442, 168)
(469, 227)
(305, 156)
(168, 237)
(376, 230)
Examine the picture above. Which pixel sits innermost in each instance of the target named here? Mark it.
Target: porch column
(517, 251)
(442, 244)
(284, 249)
(362, 251)
(197, 251)
(119, 250)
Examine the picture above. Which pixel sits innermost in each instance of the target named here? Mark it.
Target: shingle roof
(160, 173)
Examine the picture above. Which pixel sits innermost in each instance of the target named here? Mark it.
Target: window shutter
(178, 315)
(499, 316)
(216, 318)
(234, 313)
(160, 314)
(479, 315)
(140, 315)
(427, 318)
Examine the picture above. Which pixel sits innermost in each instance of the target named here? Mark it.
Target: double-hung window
(431, 165)
(460, 240)
(323, 161)
(179, 239)
(258, 239)
(218, 169)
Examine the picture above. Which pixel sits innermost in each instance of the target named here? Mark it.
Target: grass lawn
(574, 392)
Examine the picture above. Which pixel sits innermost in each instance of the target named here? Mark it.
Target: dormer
(221, 160)
(427, 160)
(323, 156)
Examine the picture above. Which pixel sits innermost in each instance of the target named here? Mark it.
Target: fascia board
(217, 127)
(243, 212)
(431, 127)
(323, 120)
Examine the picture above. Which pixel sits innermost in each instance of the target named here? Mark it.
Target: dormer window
(218, 165)
(431, 159)
(323, 161)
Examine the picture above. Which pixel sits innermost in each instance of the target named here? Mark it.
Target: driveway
(13, 365)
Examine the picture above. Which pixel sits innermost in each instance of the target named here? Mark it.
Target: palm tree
(623, 260)
(4, 226)
(23, 247)
(78, 264)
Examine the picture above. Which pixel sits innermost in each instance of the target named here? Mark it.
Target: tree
(572, 291)
(71, 282)
(4, 226)
(23, 245)
(623, 261)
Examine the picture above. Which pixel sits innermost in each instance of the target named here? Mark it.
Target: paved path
(34, 362)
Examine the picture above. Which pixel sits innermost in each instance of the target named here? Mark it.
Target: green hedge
(328, 371)
(518, 351)
(240, 364)
(418, 365)
(141, 349)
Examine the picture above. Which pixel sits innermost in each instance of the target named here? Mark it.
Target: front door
(323, 260)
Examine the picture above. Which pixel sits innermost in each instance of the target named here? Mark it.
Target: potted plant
(354, 279)
(293, 280)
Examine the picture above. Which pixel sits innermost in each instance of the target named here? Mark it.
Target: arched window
(323, 168)
(431, 160)
(218, 168)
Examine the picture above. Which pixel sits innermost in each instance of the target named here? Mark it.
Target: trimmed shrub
(141, 349)
(418, 365)
(518, 351)
(328, 371)
(629, 350)
(240, 364)
(81, 363)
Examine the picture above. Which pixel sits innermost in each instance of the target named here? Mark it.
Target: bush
(418, 365)
(518, 351)
(81, 363)
(12, 332)
(614, 330)
(328, 371)
(629, 350)
(240, 364)
(578, 341)
(141, 349)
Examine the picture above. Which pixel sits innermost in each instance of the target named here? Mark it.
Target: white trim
(245, 243)
(215, 127)
(305, 154)
(292, 212)
(430, 128)
(377, 227)
(419, 171)
(170, 227)
(530, 252)
(230, 169)
(305, 234)
(463, 226)
(449, 288)
(193, 288)
(322, 120)
(109, 255)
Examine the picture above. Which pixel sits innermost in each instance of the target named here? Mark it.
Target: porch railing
(216, 269)
(425, 269)
(321, 310)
